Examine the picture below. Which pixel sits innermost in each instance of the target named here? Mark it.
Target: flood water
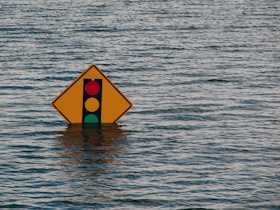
(203, 77)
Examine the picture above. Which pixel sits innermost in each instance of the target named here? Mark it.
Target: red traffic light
(92, 88)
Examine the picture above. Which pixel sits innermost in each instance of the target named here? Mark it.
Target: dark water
(204, 80)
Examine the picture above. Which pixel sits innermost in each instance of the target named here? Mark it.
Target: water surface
(203, 77)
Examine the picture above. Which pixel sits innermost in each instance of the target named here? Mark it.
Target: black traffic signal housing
(92, 101)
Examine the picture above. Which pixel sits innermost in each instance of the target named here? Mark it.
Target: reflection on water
(89, 155)
(92, 144)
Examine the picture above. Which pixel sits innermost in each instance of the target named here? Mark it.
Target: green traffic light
(91, 118)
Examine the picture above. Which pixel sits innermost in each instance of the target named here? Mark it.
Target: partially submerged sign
(92, 98)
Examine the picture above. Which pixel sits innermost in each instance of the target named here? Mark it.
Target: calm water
(204, 79)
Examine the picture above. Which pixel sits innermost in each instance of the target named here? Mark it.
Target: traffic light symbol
(92, 98)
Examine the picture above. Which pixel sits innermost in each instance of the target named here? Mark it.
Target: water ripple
(203, 77)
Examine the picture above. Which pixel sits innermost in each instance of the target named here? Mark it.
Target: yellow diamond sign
(92, 98)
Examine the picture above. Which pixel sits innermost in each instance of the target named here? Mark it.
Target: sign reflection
(92, 144)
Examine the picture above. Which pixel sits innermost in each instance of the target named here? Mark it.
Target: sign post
(92, 98)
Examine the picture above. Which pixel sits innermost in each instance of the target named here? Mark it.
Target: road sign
(92, 98)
